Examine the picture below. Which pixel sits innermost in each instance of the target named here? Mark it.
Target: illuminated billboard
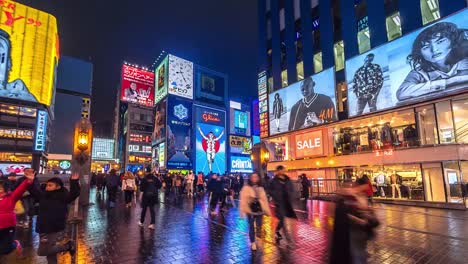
(303, 104)
(240, 122)
(180, 77)
(40, 141)
(137, 86)
(427, 63)
(179, 131)
(30, 52)
(159, 129)
(263, 104)
(240, 145)
(241, 164)
(161, 80)
(210, 86)
(8, 168)
(210, 140)
(103, 149)
(162, 155)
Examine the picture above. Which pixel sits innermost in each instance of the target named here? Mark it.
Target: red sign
(140, 138)
(137, 86)
(211, 117)
(309, 144)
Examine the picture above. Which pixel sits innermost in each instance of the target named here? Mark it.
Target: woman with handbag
(254, 204)
(129, 187)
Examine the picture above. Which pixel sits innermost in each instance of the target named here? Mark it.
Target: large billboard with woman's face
(428, 63)
(29, 53)
(304, 104)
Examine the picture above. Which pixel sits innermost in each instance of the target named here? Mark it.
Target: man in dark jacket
(281, 190)
(215, 188)
(53, 209)
(149, 188)
(112, 183)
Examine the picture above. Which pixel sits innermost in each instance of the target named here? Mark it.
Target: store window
(318, 66)
(445, 122)
(364, 40)
(377, 133)
(338, 50)
(433, 182)
(278, 148)
(427, 125)
(284, 78)
(300, 70)
(429, 10)
(393, 24)
(453, 182)
(460, 114)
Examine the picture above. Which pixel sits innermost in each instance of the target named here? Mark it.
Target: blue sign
(241, 164)
(179, 131)
(40, 139)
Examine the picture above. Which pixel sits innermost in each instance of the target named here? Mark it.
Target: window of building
(445, 122)
(433, 182)
(284, 78)
(300, 70)
(429, 10)
(427, 125)
(364, 40)
(338, 51)
(16, 133)
(453, 182)
(318, 66)
(460, 114)
(393, 24)
(342, 96)
(270, 84)
(15, 157)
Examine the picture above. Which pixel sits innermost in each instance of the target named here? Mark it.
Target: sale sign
(309, 144)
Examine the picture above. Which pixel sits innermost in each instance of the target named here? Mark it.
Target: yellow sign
(29, 53)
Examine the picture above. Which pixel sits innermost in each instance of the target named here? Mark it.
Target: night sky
(218, 34)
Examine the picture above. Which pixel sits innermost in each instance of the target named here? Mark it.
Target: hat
(280, 167)
(148, 169)
(57, 181)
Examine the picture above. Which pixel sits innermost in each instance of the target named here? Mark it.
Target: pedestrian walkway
(185, 233)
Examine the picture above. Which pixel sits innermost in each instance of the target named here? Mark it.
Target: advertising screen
(137, 86)
(8, 168)
(428, 63)
(241, 164)
(263, 104)
(304, 104)
(180, 77)
(210, 140)
(240, 145)
(30, 53)
(162, 155)
(210, 86)
(40, 141)
(179, 131)
(161, 74)
(139, 138)
(240, 122)
(103, 148)
(159, 129)
(255, 118)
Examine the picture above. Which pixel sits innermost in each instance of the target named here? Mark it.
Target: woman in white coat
(254, 204)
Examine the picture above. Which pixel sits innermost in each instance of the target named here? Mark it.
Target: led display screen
(425, 64)
(159, 129)
(180, 77)
(103, 148)
(137, 86)
(8, 168)
(240, 145)
(161, 80)
(30, 52)
(42, 121)
(210, 86)
(179, 131)
(263, 104)
(304, 104)
(241, 164)
(240, 122)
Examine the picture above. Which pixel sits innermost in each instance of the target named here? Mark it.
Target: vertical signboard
(159, 129)
(180, 77)
(161, 80)
(40, 141)
(137, 86)
(179, 131)
(263, 103)
(210, 140)
(255, 118)
(162, 155)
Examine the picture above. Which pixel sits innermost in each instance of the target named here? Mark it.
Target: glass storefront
(278, 148)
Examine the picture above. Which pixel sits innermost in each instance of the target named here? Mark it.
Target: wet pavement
(185, 233)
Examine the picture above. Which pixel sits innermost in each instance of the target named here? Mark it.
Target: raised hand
(30, 174)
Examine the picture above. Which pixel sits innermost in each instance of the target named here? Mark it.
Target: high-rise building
(376, 88)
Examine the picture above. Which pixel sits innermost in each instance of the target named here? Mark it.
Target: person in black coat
(149, 188)
(281, 190)
(53, 212)
(216, 189)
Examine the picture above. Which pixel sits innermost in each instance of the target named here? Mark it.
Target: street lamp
(265, 158)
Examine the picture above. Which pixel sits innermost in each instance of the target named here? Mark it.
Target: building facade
(348, 88)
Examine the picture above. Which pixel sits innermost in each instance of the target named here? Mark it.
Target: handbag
(255, 205)
(19, 208)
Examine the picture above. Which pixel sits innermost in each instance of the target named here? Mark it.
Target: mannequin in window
(380, 181)
(395, 183)
(396, 140)
(387, 135)
(410, 135)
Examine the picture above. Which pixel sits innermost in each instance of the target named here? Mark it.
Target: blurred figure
(215, 188)
(149, 186)
(100, 182)
(254, 204)
(354, 225)
(129, 187)
(281, 190)
(112, 183)
(365, 181)
(200, 182)
(189, 183)
(52, 218)
(177, 183)
(238, 184)
(8, 200)
(305, 183)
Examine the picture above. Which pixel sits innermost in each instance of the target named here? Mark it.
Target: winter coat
(53, 207)
(149, 187)
(129, 183)
(112, 181)
(281, 190)
(215, 186)
(247, 196)
(7, 205)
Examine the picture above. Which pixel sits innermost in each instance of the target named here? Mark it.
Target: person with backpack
(149, 188)
(8, 200)
(52, 218)
(112, 184)
(129, 187)
(254, 204)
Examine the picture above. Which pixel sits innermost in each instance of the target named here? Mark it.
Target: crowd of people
(23, 197)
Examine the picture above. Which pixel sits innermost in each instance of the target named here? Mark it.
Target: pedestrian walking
(215, 188)
(112, 184)
(189, 183)
(149, 188)
(254, 204)
(281, 190)
(200, 182)
(8, 200)
(129, 188)
(305, 183)
(52, 218)
(100, 183)
(238, 184)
